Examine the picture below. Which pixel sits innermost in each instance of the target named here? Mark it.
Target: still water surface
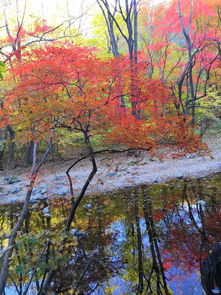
(144, 240)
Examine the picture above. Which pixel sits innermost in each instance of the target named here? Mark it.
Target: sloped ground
(114, 171)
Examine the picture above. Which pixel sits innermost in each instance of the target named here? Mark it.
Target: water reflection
(145, 240)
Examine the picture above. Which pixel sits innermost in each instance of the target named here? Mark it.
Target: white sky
(60, 8)
(50, 8)
(56, 11)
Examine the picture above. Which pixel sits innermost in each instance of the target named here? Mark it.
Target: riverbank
(115, 171)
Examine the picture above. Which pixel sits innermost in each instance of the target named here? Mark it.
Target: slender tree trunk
(135, 32)
(136, 111)
(139, 244)
(28, 158)
(3, 137)
(153, 238)
(11, 148)
(75, 203)
(186, 33)
(1, 158)
(34, 154)
(129, 15)
(7, 256)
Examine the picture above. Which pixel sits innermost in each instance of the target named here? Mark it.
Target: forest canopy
(150, 66)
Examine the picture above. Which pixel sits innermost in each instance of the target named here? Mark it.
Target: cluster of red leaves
(70, 86)
(18, 38)
(166, 51)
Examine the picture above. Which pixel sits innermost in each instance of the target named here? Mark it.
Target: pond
(143, 240)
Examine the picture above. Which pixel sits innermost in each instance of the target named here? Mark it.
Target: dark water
(145, 240)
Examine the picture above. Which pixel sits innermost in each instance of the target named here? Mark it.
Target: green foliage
(2, 69)
(2, 145)
(101, 38)
(211, 104)
(208, 109)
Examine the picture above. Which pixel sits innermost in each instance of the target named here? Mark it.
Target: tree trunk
(76, 203)
(28, 158)
(8, 253)
(2, 147)
(11, 148)
(139, 244)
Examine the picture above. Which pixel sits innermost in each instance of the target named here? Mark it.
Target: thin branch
(35, 269)
(16, 229)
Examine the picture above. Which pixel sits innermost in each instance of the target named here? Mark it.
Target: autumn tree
(182, 49)
(58, 87)
(18, 37)
(123, 17)
(114, 14)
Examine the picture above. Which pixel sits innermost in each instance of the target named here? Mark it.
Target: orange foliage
(69, 86)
